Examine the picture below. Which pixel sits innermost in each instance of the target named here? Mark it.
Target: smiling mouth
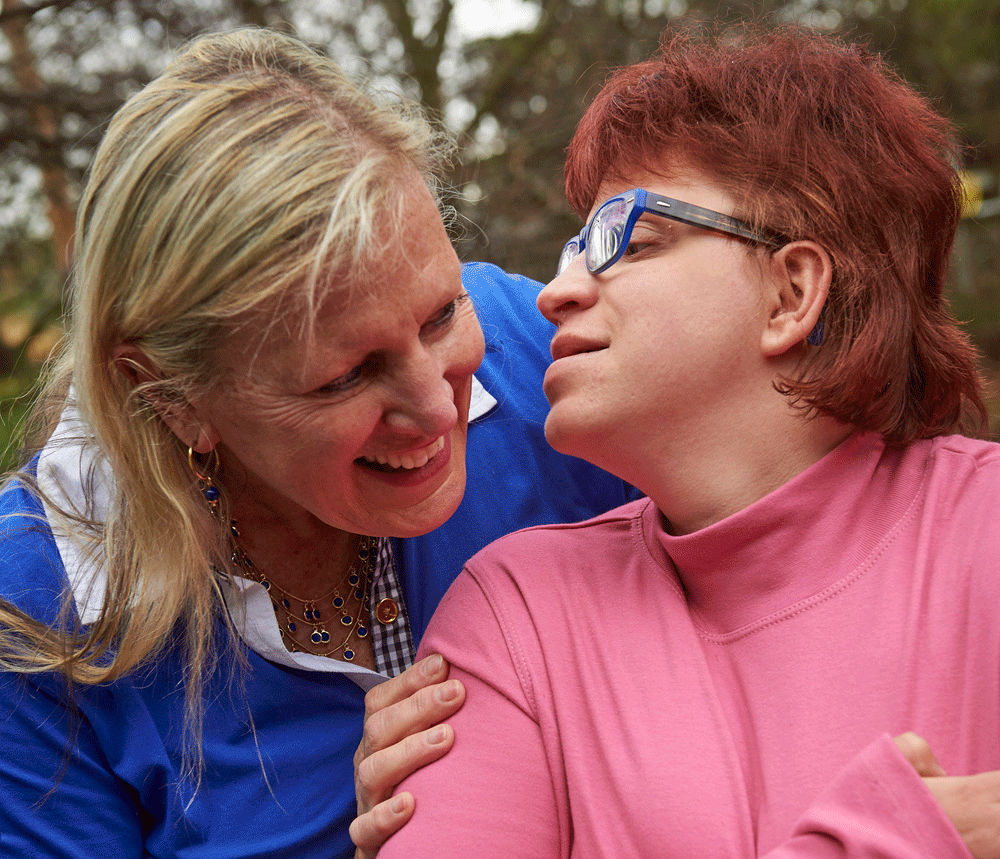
(403, 462)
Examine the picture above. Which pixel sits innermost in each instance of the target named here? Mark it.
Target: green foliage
(12, 413)
(30, 307)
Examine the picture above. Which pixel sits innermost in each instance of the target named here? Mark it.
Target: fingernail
(433, 665)
(436, 736)
(398, 805)
(446, 694)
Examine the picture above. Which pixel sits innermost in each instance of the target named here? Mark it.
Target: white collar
(481, 402)
(71, 474)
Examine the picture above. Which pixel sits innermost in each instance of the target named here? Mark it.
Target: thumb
(918, 752)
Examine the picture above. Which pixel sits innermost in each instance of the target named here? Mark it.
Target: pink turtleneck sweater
(729, 693)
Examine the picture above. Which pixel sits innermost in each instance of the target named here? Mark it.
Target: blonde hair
(251, 171)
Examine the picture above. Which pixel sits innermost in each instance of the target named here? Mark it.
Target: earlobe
(206, 439)
(177, 413)
(799, 278)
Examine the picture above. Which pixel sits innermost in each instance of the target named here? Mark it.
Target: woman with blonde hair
(752, 330)
(232, 523)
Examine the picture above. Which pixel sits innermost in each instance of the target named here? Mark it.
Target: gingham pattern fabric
(391, 642)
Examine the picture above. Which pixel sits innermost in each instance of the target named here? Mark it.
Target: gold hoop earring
(210, 492)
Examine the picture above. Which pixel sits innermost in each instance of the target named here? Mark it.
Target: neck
(303, 557)
(318, 577)
(299, 552)
(714, 475)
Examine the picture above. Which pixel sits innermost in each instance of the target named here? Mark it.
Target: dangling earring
(209, 490)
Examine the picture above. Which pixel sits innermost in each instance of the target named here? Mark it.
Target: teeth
(410, 460)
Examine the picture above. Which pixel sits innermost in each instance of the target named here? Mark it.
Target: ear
(796, 287)
(177, 413)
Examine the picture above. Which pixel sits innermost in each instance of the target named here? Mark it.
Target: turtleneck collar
(794, 545)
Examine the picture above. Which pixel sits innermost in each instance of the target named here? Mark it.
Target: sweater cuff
(879, 807)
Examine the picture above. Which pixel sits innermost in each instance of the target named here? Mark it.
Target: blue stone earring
(815, 337)
(209, 490)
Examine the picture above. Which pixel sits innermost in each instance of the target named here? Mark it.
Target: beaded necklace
(348, 603)
(353, 590)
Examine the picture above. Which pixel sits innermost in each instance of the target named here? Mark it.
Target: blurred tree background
(509, 79)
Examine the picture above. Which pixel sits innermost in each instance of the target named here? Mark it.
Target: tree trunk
(44, 127)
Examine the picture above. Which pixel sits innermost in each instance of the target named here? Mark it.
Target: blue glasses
(606, 237)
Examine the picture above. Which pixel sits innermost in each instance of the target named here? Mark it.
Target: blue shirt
(278, 738)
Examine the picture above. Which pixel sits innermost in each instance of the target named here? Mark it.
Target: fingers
(403, 730)
(377, 775)
(918, 752)
(370, 831)
(972, 803)
(430, 669)
(411, 705)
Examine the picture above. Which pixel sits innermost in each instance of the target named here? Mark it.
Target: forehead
(414, 273)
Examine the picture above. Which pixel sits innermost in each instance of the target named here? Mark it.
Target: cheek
(335, 436)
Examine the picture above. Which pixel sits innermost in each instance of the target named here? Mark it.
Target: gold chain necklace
(356, 584)
(348, 604)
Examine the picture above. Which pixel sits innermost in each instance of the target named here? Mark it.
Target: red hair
(819, 140)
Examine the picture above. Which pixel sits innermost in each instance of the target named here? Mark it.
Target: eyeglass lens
(607, 231)
(569, 253)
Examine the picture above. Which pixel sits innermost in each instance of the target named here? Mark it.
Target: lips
(405, 461)
(565, 344)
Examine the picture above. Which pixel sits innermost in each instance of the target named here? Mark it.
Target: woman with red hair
(752, 331)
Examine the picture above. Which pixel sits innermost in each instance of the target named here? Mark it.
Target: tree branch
(504, 78)
(28, 11)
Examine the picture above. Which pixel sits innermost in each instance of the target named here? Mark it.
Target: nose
(422, 399)
(432, 384)
(430, 414)
(574, 289)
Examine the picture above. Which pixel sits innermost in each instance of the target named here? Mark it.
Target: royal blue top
(99, 774)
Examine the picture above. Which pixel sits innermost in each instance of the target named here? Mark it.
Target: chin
(564, 436)
(418, 526)
(598, 444)
(431, 513)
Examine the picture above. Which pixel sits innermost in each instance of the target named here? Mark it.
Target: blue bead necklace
(348, 604)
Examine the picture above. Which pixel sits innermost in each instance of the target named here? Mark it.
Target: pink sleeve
(492, 794)
(877, 808)
(501, 792)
